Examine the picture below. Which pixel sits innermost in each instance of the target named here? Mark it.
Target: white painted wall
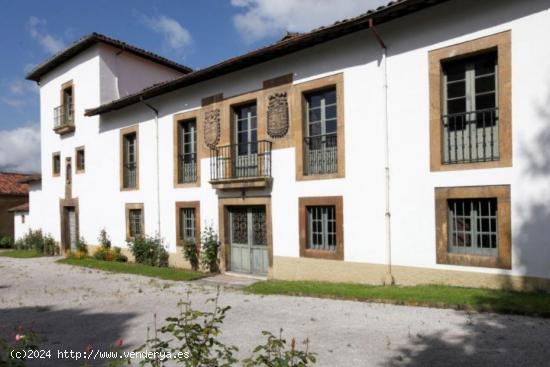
(20, 224)
(412, 184)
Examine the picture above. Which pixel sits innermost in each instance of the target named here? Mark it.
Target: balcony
(241, 166)
(321, 154)
(471, 137)
(63, 119)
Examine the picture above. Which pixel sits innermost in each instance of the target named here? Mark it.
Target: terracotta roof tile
(10, 185)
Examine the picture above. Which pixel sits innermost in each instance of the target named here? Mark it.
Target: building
(13, 192)
(405, 145)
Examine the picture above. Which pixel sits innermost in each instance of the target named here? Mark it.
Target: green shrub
(275, 352)
(149, 250)
(35, 240)
(209, 252)
(191, 253)
(50, 246)
(82, 246)
(119, 256)
(6, 242)
(104, 239)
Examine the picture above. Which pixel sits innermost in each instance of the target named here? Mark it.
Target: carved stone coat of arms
(277, 115)
(212, 127)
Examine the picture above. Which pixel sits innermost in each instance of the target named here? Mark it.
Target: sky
(194, 33)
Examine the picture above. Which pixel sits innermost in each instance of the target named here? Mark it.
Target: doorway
(248, 240)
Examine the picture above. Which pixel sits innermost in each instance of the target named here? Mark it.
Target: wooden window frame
(298, 125)
(502, 43)
(134, 206)
(338, 203)
(123, 132)
(188, 205)
(200, 152)
(503, 259)
(54, 156)
(77, 151)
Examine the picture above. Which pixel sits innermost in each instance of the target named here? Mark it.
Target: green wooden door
(248, 240)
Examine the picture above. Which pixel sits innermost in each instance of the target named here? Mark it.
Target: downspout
(388, 278)
(156, 112)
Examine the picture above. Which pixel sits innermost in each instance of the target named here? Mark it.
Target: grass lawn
(21, 254)
(474, 299)
(138, 269)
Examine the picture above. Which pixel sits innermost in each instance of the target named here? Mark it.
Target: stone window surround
(188, 205)
(77, 151)
(127, 208)
(123, 132)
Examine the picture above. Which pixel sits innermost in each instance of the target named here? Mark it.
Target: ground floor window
(188, 221)
(134, 221)
(473, 226)
(321, 227)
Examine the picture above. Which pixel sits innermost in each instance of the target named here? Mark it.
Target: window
(134, 221)
(317, 123)
(470, 105)
(80, 160)
(187, 151)
(470, 109)
(64, 114)
(473, 226)
(187, 221)
(321, 227)
(246, 140)
(129, 159)
(56, 164)
(321, 153)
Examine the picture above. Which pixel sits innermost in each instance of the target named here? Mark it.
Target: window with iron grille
(135, 221)
(56, 164)
(321, 138)
(470, 109)
(80, 159)
(129, 161)
(321, 229)
(187, 151)
(473, 226)
(187, 224)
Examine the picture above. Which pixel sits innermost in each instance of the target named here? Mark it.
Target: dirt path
(72, 307)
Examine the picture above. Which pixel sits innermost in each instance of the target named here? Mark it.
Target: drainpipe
(388, 277)
(156, 112)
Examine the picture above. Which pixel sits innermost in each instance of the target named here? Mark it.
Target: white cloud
(267, 18)
(13, 102)
(48, 42)
(20, 87)
(20, 149)
(176, 37)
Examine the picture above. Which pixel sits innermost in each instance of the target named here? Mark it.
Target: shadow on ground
(66, 329)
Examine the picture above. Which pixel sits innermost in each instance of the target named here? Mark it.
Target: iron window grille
(321, 140)
(473, 226)
(135, 223)
(129, 161)
(187, 224)
(321, 230)
(470, 110)
(187, 152)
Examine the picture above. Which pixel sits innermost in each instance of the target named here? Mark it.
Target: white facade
(100, 76)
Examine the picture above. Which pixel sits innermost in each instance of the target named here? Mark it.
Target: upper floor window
(56, 164)
(246, 139)
(470, 104)
(470, 109)
(321, 152)
(187, 151)
(129, 159)
(64, 114)
(80, 160)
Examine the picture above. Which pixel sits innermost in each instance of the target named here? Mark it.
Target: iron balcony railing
(129, 175)
(470, 137)
(63, 116)
(187, 170)
(321, 154)
(251, 159)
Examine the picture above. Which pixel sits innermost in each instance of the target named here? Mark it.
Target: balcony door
(246, 141)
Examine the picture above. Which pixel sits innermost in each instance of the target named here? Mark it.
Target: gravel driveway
(72, 307)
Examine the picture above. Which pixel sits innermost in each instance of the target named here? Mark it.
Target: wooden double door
(248, 240)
